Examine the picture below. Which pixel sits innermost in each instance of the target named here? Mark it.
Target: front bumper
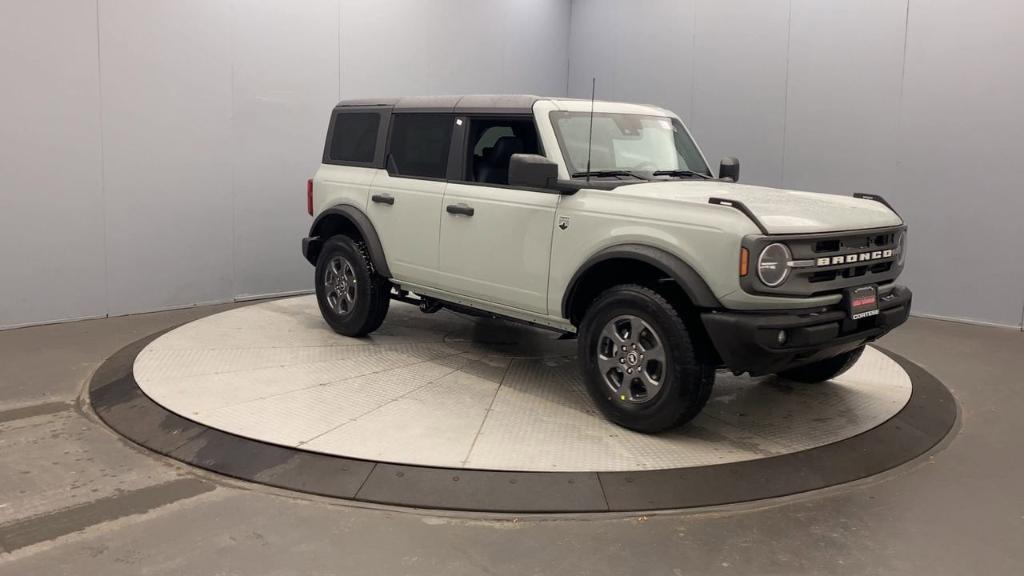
(748, 341)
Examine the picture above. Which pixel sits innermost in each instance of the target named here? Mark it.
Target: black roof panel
(522, 103)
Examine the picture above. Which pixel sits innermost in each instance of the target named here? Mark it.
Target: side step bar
(432, 305)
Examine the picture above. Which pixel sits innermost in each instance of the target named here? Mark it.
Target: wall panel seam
(785, 96)
(693, 66)
(338, 51)
(103, 169)
(234, 134)
(903, 69)
(568, 47)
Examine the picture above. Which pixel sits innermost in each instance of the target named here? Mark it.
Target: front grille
(851, 272)
(826, 276)
(845, 253)
(826, 246)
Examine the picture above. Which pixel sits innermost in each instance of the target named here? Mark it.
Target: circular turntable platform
(431, 401)
(440, 390)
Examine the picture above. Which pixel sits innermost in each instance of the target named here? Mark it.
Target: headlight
(901, 247)
(773, 264)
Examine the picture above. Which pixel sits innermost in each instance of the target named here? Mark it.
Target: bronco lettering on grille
(854, 258)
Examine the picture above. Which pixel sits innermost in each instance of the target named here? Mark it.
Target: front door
(495, 239)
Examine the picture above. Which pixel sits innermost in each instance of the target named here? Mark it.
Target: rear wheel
(353, 298)
(823, 370)
(639, 362)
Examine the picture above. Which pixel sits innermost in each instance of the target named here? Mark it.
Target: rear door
(495, 239)
(405, 201)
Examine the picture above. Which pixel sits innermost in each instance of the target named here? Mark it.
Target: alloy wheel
(631, 358)
(340, 286)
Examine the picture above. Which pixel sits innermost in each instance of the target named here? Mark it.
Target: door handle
(460, 208)
(383, 199)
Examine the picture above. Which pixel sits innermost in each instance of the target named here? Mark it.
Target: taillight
(309, 196)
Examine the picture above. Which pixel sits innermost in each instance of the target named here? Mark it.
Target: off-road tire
(823, 370)
(371, 294)
(686, 380)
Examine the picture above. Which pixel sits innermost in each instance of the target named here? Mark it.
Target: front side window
(633, 143)
(355, 136)
(419, 145)
(493, 141)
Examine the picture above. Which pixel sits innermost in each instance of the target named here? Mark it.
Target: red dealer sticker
(862, 302)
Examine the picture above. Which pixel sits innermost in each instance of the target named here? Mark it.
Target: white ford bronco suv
(600, 220)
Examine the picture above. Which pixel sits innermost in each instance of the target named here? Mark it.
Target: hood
(780, 211)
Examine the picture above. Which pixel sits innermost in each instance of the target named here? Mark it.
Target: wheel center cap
(632, 358)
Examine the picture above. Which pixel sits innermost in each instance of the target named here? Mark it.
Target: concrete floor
(77, 499)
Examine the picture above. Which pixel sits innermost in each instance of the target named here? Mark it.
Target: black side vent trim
(742, 208)
(876, 198)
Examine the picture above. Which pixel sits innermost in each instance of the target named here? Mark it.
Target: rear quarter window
(354, 138)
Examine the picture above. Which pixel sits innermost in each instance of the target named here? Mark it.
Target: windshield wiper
(602, 173)
(679, 173)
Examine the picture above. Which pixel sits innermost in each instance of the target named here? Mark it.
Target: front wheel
(639, 361)
(353, 299)
(823, 370)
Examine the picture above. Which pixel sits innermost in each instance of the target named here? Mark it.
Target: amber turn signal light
(744, 261)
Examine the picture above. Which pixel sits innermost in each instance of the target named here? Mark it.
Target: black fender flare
(689, 280)
(354, 216)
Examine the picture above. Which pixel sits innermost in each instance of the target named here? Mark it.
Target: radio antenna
(590, 136)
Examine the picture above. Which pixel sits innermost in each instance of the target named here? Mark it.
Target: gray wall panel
(454, 47)
(960, 151)
(413, 58)
(739, 102)
(51, 198)
(166, 81)
(845, 76)
(285, 79)
(638, 52)
(536, 46)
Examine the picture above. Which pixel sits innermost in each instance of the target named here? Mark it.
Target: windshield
(632, 143)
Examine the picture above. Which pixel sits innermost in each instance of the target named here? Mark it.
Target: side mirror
(729, 169)
(532, 171)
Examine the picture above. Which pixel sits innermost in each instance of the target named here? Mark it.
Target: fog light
(782, 337)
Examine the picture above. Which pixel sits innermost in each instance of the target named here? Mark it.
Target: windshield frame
(555, 115)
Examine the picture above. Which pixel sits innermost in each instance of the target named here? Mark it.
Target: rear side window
(355, 137)
(419, 144)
